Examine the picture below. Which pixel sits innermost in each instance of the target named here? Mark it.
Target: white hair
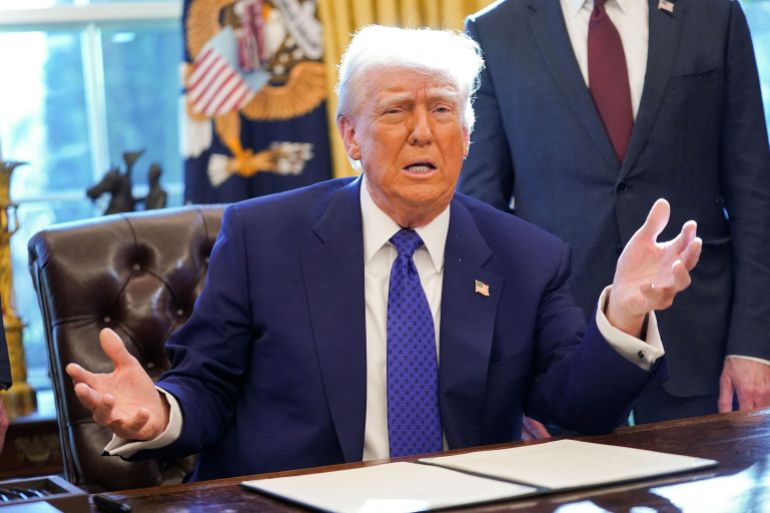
(447, 53)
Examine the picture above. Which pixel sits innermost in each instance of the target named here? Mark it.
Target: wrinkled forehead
(407, 82)
(406, 73)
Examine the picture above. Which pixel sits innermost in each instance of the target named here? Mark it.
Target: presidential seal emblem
(260, 59)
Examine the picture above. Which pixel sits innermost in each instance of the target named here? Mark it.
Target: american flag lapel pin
(665, 5)
(482, 288)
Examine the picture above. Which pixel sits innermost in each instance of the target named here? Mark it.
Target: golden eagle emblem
(258, 58)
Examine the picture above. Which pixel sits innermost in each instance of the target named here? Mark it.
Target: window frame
(89, 20)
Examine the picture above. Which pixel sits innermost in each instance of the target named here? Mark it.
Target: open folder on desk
(472, 478)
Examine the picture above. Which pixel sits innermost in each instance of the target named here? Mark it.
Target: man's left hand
(650, 274)
(747, 379)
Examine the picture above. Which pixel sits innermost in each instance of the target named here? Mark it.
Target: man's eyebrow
(434, 93)
(443, 93)
(394, 98)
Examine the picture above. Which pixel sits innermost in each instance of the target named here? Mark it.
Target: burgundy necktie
(608, 79)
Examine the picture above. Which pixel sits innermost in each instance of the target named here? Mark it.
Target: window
(85, 82)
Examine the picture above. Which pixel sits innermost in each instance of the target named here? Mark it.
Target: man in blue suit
(294, 354)
(695, 134)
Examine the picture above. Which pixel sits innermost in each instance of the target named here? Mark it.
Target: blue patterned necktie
(414, 420)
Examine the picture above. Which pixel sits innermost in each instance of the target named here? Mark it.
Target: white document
(567, 464)
(387, 488)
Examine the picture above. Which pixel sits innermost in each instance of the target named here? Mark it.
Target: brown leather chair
(138, 274)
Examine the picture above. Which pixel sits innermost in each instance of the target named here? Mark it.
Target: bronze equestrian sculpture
(119, 186)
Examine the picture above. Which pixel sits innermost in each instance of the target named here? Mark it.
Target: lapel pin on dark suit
(665, 5)
(482, 288)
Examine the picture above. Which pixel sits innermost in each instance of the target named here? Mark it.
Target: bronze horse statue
(118, 185)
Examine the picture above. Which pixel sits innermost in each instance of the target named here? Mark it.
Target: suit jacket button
(622, 187)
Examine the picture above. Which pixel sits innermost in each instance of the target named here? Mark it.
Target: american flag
(216, 85)
(482, 288)
(665, 5)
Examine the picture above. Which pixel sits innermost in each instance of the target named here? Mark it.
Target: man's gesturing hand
(650, 274)
(124, 400)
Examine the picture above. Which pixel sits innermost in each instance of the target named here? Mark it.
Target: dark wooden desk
(741, 482)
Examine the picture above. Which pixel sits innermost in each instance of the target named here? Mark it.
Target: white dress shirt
(379, 255)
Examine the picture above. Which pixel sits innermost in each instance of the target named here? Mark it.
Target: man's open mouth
(421, 167)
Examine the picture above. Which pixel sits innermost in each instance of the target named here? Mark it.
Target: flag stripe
(219, 85)
(199, 91)
(201, 66)
(236, 100)
(223, 71)
(245, 97)
(225, 92)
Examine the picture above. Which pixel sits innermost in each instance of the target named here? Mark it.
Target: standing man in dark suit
(386, 315)
(587, 112)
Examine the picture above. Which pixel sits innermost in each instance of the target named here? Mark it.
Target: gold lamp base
(20, 400)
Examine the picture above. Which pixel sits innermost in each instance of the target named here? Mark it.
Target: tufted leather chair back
(139, 274)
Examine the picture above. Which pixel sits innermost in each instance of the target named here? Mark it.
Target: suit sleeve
(210, 354)
(488, 171)
(745, 176)
(580, 381)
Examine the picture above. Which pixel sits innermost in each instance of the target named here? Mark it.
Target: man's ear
(347, 131)
(466, 141)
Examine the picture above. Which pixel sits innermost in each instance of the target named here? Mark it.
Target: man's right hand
(124, 400)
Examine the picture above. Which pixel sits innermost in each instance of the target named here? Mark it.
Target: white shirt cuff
(642, 353)
(127, 448)
(752, 358)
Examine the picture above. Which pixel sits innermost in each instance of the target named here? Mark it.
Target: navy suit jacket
(270, 370)
(699, 140)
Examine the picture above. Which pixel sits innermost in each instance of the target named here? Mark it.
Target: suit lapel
(467, 328)
(664, 42)
(550, 33)
(334, 282)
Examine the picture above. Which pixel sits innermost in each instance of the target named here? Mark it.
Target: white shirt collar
(379, 228)
(574, 6)
(623, 5)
